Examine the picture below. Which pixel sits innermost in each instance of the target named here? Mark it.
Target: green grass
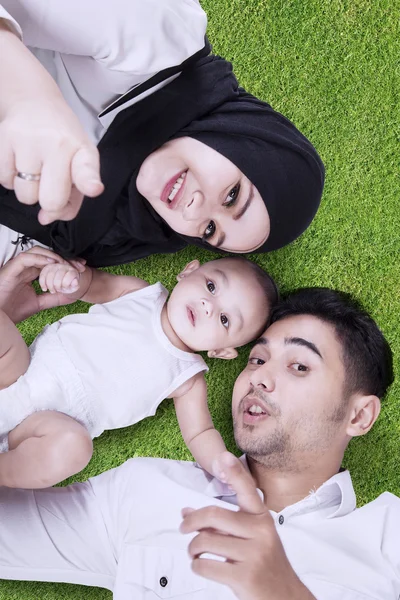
(332, 66)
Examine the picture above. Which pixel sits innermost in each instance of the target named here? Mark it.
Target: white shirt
(120, 531)
(97, 50)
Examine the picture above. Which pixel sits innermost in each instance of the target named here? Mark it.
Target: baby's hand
(60, 277)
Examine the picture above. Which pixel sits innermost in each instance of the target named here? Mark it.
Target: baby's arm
(197, 428)
(90, 285)
(14, 353)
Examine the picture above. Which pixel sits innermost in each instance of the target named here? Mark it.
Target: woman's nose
(263, 378)
(207, 306)
(194, 207)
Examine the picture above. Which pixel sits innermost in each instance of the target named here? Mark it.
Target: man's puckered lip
(250, 401)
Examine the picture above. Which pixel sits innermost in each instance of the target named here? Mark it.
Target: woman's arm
(41, 135)
(128, 36)
(197, 427)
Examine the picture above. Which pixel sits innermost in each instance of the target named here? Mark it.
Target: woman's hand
(40, 135)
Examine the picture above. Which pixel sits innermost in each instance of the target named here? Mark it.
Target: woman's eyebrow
(245, 205)
(240, 214)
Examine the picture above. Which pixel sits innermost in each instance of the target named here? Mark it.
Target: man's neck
(283, 488)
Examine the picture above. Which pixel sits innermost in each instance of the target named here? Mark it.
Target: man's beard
(281, 449)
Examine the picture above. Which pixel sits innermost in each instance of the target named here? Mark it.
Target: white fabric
(13, 243)
(107, 369)
(120, 531)
(98, 50)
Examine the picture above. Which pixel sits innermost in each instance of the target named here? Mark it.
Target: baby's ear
(225, 353)
(190, 268)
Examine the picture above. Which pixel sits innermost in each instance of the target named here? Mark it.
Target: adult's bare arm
(40, 134)
(255, 566)
(18, 298)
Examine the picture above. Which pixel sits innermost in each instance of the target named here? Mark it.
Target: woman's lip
(168, 188)
(191, 315)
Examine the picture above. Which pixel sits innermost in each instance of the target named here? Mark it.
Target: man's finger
(225, 546)
(234, 474)
(223, 572)
(85, 170)
(225, 521)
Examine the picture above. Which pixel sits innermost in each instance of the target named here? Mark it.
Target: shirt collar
(335, 497)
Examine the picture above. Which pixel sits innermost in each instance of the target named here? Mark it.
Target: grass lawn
(332, 66)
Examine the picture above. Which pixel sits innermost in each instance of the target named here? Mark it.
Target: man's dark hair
(367, 356)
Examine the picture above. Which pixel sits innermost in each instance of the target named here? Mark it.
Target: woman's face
(200, 193)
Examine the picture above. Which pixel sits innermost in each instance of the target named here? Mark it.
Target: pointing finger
(233, 472)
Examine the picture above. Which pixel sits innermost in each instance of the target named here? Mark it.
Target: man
(313, 381)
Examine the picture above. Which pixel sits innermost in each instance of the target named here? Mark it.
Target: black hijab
(204, 102)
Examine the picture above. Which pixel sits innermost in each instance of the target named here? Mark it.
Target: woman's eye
(232, 196)
(300, 368)
(256, 361)
(211, 286)
(209, 231)
(225, 321)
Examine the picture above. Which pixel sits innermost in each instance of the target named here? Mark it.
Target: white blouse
(97, 50)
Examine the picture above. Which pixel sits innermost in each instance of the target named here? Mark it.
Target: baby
(112, 367)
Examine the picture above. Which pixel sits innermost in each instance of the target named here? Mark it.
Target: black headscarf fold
(204, 102)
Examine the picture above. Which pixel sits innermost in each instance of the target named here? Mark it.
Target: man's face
(288, 404)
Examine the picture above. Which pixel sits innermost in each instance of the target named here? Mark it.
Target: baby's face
(218, 305)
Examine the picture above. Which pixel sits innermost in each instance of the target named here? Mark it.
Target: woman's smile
(173, 190)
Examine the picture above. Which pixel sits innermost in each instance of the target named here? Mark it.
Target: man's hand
(255, 565)
(18, 298)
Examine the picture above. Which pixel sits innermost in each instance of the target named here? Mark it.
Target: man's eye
(211, 286)
(209, 231)
(225, 321)
(256, 361)
(232, 196)
(300, 368)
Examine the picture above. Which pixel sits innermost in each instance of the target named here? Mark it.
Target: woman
(186, 156)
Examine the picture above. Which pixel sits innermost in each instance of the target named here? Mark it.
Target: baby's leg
(43, 450)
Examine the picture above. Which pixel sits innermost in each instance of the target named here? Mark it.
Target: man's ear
(190, 268)
(225, 353)
(365, 412)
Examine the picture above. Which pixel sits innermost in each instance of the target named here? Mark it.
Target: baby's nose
(208, 307)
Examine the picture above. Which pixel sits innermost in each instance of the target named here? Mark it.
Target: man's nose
(263, 378)
(207, 307)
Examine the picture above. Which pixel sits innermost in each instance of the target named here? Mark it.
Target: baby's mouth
(191, 315)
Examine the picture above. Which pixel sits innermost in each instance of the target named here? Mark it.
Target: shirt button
(163, 581)
(281, 519)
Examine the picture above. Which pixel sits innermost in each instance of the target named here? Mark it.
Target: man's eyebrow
(302, 342)
(245, 205)
(262, 341)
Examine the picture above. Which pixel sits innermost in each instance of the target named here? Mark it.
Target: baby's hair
(265, 281)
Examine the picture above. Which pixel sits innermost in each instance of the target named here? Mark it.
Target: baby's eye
(209, 231)
(224, 321)
(232, 196)
(300, 368)
(211, 286)
(256, 361)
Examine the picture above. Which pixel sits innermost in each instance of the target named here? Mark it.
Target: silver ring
(28, 176)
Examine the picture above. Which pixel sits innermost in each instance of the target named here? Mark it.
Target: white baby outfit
(107, 369)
